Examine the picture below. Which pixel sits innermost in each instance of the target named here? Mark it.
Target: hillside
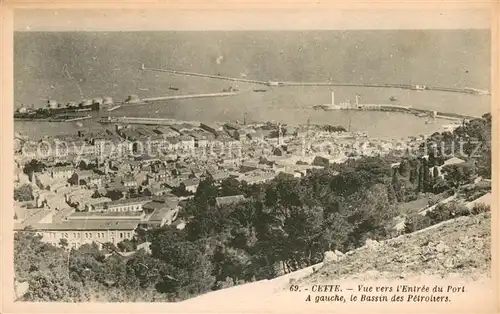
(456, 248)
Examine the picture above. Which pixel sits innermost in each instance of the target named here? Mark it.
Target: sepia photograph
(195, 165)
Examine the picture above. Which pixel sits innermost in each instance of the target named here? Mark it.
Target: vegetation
(441, 212)
(285, 225)
(23, 193)
(33, 166)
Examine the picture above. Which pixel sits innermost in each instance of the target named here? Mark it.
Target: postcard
(249, 157)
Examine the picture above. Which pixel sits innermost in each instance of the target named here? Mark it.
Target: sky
(161, 19)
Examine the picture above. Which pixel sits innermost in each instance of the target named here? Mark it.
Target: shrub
(23, 193)
(433, 200)
(480, 208)
(416, 222)
(447, 211)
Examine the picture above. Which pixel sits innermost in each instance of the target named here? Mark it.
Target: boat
(173, 88)
(327, 107)
(260, 90)
(229, 90)
(113, 108)
(392, 98)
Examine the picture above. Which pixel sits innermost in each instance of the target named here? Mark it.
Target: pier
(465, 90)
(393, 108)
(219, 77)
(143, 120)
(221, 94)
(134, 100)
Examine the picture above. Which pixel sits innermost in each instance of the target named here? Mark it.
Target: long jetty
(465, 90)
(222, 94)
(219, 77)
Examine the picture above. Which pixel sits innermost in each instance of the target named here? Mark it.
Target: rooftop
(228, 200)
(166, 204)
(190, 182)
(110, 224)
(85, 174)
(127, 201)
(453, 161)
(159, 214)
(82, 215)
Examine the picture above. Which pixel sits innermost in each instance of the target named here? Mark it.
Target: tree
(109, 247)
(404, 168)
(435, 173)
(187, 267)
(114, 194)
(33, 166)
(63, 243)
(426, 176)
(440, 186)
(96, 194)
(83, 165)
(23, 193)
(55, 286)
(230, 186)
(416, 222)
(127, 245)
(458, 174)
(206, 191)
(44, 267)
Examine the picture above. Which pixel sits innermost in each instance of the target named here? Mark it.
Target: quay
(143, 120)
(69, 118)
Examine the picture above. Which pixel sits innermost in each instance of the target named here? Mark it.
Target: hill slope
(454, 248)
(457, 249)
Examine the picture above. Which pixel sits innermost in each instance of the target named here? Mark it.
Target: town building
(186, 142)
(62, 172)
(166, 131)
(252, 179)
(211, 127)
(129, 181)
(123, 205)
(78, 232)
(94, 216)
(159, 212)
(83, 177)
(190, 185)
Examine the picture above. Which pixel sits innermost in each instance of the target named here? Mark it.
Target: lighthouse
(280, 135)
